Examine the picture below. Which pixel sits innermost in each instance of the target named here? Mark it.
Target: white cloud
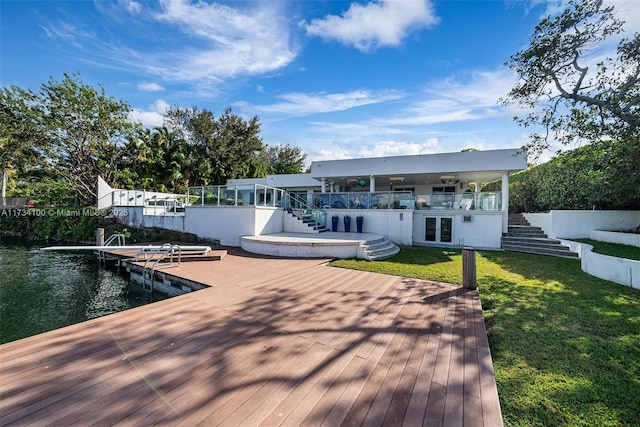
(302, 104)
(230, 42)
(629, 12)
(333, 151)
(450, 100)
(376, 24)
(399, 148)
(131, 6)
(194, 42)
(625, 10)
(150, 87)
(152, 117)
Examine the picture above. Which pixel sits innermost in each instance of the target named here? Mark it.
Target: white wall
(291, 224)
(618, 270)
(484, 230)
(135, 218)
(268, 220)
(384, 222)
(225, 224)
(542, 220)
(629, 239)
(578, 224)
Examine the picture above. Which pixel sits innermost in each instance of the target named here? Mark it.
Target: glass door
(438, 229)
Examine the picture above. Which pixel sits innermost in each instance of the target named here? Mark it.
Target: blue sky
(338, 79)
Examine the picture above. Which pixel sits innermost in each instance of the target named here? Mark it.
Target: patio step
(379, 249)
(522, 237)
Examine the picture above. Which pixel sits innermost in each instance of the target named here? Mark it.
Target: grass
(613, 249)
(565, 345)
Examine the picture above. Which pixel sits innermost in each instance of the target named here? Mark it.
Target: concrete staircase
(378, 250)
(308, 219)
(522, 237)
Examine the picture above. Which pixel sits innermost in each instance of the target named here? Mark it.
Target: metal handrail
(163, 251)
(318, 215)
(119, 238)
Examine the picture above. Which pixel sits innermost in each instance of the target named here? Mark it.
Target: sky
(339, 79)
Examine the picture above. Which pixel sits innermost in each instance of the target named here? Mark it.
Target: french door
(438, 229)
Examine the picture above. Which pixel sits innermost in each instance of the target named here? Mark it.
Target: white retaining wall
(578, 224)
(136, 218)
(628, 239)
(618, 270)
(225, 224)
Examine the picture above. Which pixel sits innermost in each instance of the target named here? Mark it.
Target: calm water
(41, 291)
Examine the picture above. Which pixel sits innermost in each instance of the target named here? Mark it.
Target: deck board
(273, 341)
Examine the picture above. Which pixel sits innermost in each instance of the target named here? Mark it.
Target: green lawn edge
(565, 345)
(613, 249)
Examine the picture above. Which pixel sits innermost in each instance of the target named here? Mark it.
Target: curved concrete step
(378, 250)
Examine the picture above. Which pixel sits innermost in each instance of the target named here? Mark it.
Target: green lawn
(613, 249)
(565, 345)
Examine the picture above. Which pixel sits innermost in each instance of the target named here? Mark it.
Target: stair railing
(299, 207)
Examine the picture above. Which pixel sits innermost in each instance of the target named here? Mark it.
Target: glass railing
(246, 195)
(127, 197)
(364, 200)
(154, 203)
(486, 201)
(165, 204)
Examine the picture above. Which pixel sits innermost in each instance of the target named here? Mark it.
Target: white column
(323, 188)
(372, 184)
(505, 203)
(477, 185)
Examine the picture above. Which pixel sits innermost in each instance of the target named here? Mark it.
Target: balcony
(364, 200)
(486, 201)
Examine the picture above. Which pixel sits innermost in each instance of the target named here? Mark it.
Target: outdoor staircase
(308, 219)
(522, 237)
(380, 249)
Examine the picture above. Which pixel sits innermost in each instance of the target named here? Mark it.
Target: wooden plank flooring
(272, 342)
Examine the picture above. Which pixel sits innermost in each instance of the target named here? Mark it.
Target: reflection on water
(41, 291)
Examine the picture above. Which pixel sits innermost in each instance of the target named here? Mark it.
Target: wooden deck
(272, 342)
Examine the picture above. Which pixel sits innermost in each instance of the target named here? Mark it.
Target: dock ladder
(116, 239)
(156, 256)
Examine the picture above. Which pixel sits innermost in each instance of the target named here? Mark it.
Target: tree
(568, 94)
(155, 159)
(285, 159)
(85, 126)
(21, 137)
(69, 127)
(221, 149)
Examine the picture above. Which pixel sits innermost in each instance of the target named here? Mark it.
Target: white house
(431, 199)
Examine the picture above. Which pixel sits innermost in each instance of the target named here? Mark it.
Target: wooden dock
(272, 342)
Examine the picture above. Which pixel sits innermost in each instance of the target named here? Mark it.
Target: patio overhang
(443, 168)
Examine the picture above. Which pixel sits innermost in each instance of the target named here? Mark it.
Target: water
(41, 291)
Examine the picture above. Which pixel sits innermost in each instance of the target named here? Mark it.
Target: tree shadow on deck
(329, 346)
